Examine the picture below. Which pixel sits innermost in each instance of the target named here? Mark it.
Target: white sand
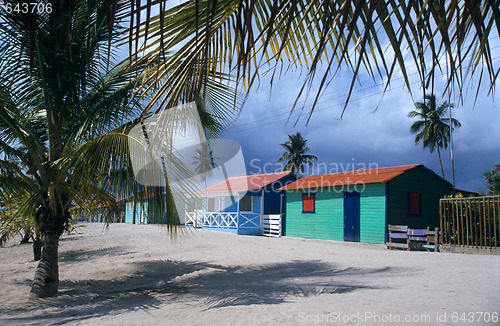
(137, 274)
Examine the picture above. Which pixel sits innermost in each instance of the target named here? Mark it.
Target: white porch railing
(228, 220)
(272, 225)
(223, 220)
(194, 218)
(190, 218)
(249, 220)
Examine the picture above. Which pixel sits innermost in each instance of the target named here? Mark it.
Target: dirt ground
(140, 274)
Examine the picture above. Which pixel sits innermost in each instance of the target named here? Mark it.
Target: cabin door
(351, 216)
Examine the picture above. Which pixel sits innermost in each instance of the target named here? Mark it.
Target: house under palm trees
(101, 212)
(358, 205)
(239, 204)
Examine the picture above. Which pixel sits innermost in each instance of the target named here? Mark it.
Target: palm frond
(247, 37)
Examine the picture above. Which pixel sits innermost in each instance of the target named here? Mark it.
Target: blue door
(351, 216)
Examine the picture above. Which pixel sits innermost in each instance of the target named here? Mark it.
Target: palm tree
(253, 38)
(295, 155)
(16, 222)
(204, 161)
(433, 128)
(12, 223)
(60, 121)
(65, 117)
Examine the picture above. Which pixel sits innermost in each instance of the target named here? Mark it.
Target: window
(191, 205)
(414, 203)
(246, 204)
(211, 205)
(308, 205)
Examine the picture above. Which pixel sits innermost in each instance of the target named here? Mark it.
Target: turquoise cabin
(146, 211)
(141, 212)
(239, 204)
(100, 213)
(358, 205)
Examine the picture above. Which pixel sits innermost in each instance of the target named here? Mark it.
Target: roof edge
(403, 168)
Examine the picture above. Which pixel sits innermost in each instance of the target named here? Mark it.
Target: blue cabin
(239, 204)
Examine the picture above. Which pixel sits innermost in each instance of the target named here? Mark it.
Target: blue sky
(373, 130)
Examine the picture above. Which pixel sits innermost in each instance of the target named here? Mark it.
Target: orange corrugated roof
(379, 175)
(245, 183)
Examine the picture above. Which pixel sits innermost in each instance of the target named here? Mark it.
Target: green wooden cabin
(358, 205)
(147, 211)
(94, 212)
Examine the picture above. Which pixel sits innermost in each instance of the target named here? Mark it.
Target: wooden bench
(398, 237)
(432, 240)
(402, 237)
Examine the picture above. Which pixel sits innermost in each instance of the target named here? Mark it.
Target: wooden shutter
(414, 203)
(308, 203)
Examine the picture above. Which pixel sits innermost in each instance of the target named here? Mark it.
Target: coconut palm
(59, 103)
(16, 222)
(66, 109)
(295, 155)
(254, 38)
(204, 161)
(433, 128)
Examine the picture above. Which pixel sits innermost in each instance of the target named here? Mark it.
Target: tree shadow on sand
(88, 254)
(207, 285)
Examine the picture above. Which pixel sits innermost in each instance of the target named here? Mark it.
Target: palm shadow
(212, 286)
(88, 254)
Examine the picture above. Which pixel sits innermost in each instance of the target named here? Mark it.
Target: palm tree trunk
(26, 237)
(440, 163)
(37, 248)
(46, 280)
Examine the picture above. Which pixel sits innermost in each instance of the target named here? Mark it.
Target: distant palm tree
(433, 129)
(204, 161)
(295, 154)
(12, 223)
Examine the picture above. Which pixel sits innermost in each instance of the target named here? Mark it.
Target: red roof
(245, 183)
(379, 175)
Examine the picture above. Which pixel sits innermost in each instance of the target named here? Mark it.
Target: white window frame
(251, 204)
(208, 204)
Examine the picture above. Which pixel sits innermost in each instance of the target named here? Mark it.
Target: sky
(374, 131)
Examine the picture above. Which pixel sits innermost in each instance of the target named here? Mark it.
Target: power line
(272, 114)
(316, 110)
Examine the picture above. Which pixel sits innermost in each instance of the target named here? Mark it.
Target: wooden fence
(471, 222)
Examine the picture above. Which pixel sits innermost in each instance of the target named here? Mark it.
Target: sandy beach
(140, 274)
